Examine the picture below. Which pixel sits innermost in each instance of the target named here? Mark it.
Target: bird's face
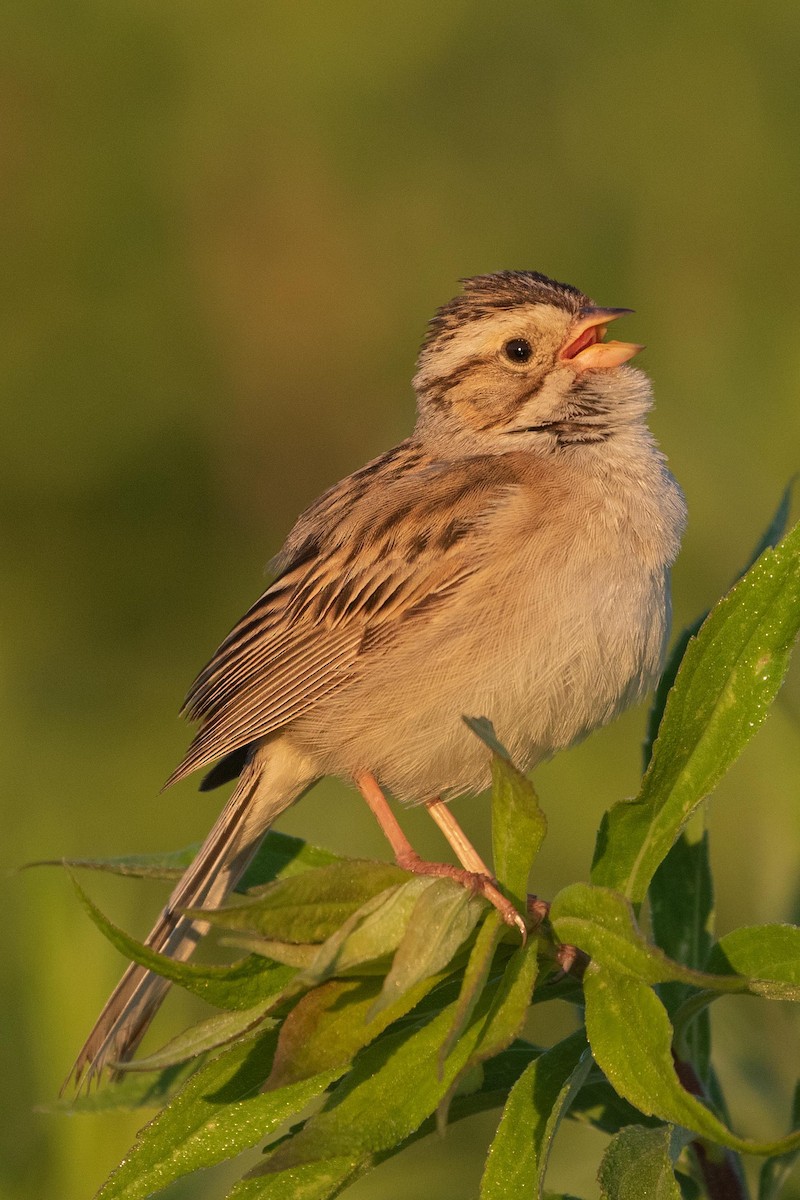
(520, 362)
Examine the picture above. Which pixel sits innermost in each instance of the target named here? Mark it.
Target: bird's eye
(518, 350)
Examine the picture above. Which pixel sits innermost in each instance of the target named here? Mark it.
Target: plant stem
(720, 1169)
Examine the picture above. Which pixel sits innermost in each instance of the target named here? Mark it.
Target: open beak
(587, 351)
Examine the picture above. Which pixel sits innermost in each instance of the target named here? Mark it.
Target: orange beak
(587, 351)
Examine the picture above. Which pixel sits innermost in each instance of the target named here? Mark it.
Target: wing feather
(387, 545)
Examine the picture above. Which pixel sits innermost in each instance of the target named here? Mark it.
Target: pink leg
(475, 875)
(463, 848)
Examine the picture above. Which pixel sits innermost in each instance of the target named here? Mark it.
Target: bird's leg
(475, 875)
(469, 858)
(463, 848)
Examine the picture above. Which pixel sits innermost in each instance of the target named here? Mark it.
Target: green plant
(373, 1006)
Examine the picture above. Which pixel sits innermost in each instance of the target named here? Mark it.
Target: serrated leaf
(517, 1159)
(441, 921)
(727, 680)
(639, 1162)
(217, 1114)
(308, 907)
(239, 985)
(631, 1039)
(216, 1031)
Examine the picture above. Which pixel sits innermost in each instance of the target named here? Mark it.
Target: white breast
(563, 626)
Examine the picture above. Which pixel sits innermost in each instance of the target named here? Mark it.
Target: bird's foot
(571, 960)
(537, 909)
(475, 882)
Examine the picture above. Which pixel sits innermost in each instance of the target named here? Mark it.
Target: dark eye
(518, 350)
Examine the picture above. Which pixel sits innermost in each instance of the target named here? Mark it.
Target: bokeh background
(224, 226)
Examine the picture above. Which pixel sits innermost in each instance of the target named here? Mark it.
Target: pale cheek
(492, 400)
(546, 397)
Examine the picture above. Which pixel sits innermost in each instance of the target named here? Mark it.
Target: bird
(510, 560)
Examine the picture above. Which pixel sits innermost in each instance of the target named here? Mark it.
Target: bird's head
(518, 361)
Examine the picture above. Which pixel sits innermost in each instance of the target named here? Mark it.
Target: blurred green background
(224, 228)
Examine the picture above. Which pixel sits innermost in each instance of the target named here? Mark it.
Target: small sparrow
(508, 560)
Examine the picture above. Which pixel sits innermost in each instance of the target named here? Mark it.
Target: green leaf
(240, 985)
(499, 1075)
(777, 526)
(483, 728)
(665, 685)
(134, 1091)
(518, 823)
(308, 907)
(597, 1104)
(475, 977)
(727, 680)
(216, 1031)
(776, 1171)
(638, 1162)
(518, 828)
(218, 1113)
(394, 1085)
(373, 932)
(631, 1039)
(770, 537)
(601, 923)
(441, 921)
(310, 1181)
(682, 901)
(769, 953)
(169, 865)
(331, 1023)
(504, 1019)
(280, 856)
(517, 1158)
(682, 918)
(767, 956)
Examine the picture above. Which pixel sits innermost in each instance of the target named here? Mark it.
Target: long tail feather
(218, 865)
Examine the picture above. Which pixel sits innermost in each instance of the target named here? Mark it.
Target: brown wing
(386, 545)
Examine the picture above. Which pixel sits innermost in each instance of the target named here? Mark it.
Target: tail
(217, 867)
